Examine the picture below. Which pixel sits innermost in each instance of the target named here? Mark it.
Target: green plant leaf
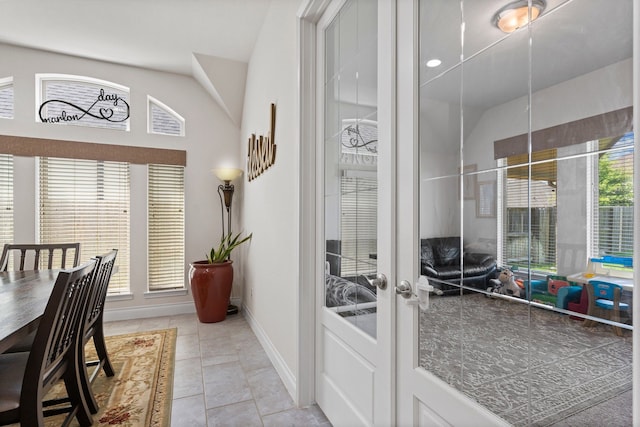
(227, 244)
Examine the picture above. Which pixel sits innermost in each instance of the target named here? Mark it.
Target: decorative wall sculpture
(262, 150)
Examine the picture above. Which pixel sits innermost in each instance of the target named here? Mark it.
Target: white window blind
(529, 238)
(87, 201)
(163, 120)
(613, 206)
(6, 199)
(6, 98)
(166, 227)
(358, 225)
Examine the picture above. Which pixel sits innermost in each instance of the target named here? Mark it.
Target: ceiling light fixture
(432, 63)
(516, 14)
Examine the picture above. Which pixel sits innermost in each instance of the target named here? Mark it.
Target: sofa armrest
(429, 271)
(480, 259)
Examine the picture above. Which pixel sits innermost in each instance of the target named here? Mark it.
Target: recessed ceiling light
(433, 63)
(516, 14)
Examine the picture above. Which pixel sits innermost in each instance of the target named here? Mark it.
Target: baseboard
(287, 377)
(142, 312)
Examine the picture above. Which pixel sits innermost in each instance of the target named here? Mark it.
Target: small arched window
(6, 98)
(162, 119)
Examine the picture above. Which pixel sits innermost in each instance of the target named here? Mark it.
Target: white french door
(353, 323)
(422, 398)
(460, 174)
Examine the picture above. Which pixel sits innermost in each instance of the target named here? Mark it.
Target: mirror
(526, 207)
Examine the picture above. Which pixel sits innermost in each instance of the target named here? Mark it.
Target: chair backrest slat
(48, 250)
(102, 276)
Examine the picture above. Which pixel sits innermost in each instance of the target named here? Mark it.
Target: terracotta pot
(211, 289)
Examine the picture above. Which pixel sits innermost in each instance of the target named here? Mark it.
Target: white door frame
(636, 212)
(308, 16)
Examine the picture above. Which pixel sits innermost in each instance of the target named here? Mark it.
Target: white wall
(270, 205)
(211, 140)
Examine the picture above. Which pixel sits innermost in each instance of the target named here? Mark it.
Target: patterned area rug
(528, 365)
(140, 393)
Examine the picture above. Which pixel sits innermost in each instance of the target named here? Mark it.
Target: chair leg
(85, 384)
(615, 317)
(31, 411)
(101, 350)
(591, 307)
(76, 396)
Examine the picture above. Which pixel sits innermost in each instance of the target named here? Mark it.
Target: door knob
(380, 281)
(404, 289)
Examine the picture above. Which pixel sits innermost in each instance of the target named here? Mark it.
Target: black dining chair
(31, 255)
(26, 377)
(93, 327)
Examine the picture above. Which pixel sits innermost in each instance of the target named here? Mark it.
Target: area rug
(530, 366)
(140, 392)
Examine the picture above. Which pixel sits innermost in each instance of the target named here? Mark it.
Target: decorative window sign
(110, 107)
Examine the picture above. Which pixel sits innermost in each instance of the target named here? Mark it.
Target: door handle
(380, 281)
(404, 289)
(421, 298)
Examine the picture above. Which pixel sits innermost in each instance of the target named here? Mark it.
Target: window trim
(168, 110)
(42, 147)
(617, 122)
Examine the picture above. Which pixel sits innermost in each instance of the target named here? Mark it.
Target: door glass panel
(526, 166)
(350, 153)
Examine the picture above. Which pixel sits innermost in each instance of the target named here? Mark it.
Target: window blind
(529, 239)
(6, 199)
(358, 225)
(163, 120)
(166, 227)
(87, 201)
(6, 98)
(613, 206)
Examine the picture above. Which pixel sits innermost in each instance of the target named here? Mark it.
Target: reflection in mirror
(526, 207)
(350, 164)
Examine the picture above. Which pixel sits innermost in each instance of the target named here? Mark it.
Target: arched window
(6, 98)
(63, 99)
(163, 120)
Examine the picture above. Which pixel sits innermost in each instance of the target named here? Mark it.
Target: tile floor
(223, 377)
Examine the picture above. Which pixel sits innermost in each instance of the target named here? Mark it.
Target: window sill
(120, 297)
(167, 293)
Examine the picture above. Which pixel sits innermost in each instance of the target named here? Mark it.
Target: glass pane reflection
(526, 154)
(350, 154)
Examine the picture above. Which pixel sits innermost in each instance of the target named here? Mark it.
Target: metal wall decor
(109, 107)
(261, 153)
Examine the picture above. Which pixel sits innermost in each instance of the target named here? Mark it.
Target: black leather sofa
(441, 262)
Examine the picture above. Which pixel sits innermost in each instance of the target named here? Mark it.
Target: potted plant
(211, 279)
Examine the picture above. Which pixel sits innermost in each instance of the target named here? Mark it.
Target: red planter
(211, 289)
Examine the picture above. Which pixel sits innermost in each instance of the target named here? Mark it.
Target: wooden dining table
(23, 298)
